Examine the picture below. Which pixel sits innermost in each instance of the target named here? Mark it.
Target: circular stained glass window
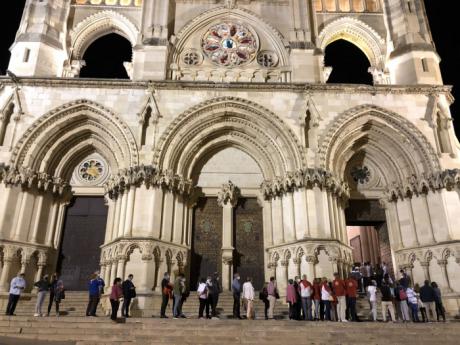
(229, 44)
(91, 170)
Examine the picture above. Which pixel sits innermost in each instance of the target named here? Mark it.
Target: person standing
(401, 297)
(438, 302)
(115, 295)
(263, 296)
(93, 290)
(214, 291)
(306, 291)
(291, 299)
(17, 285)
(387, 302)
(372, 294)
(326, 298)
(420, 304)
(129, 292)
(317, 297)
(428, 298)
(352, 294)
(248, 297)
(340, 291)
(202, 292)
(178, 291)
(166, 294)
(53, 282)
(43, 286)
(413, 303)
(236, 291)
(59, 294)
(272, 296)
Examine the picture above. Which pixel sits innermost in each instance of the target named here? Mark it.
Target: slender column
(311, 261)
(129, 212)
(121, 267)
(163, 267)
(4, 277)
(124, 198)
(227, 199)
(410, 207)
(103, 271)
(426, 269)
(334, 263)
(110, 219)
(445, 275)
(147, 277)
(297, 263)
(52, 224)
(282, 276)
(39, 273)
(60, 224)
(116, 221)
(113, 272)
(23, 216)
(38, 213)
(24, 264)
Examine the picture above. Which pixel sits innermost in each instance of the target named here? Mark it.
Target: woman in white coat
(248, 298)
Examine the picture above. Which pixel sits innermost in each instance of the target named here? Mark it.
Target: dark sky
(444, 26)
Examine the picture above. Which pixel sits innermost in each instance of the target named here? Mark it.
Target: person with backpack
(202, 292)
(166, 294)
(129, 292)
(401, 297)
(387, 301)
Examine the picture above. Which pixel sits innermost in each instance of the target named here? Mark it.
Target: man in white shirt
(248, 298)
(306, 290)
(372, 293)
(18, 284)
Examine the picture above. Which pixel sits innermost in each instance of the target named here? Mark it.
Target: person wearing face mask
(214, 290)
(166, 294)
(178, 290)
(236, 290)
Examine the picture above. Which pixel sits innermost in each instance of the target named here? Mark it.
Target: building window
(425, 65)
(26, 55)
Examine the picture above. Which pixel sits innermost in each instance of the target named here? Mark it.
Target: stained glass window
(229, 44)
(91, 170)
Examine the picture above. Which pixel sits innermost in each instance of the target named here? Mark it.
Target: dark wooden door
(83, 234)
(206, 241)
(248, 239)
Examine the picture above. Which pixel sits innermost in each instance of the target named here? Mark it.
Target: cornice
(260, 87)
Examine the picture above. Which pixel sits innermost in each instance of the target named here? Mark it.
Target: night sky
(444, 27)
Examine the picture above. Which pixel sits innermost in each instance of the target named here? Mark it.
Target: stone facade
(256, 120)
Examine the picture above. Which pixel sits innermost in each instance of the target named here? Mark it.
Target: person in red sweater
(317, 297)
(352, 294)
(115, 296)
(340, 291)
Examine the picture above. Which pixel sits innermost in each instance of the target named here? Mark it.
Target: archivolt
(385, 136)
(229, 121)
(358, 33)
(204, 20)
(98, 25)
(57, 139)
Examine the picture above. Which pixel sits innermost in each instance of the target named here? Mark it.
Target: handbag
(277, 295)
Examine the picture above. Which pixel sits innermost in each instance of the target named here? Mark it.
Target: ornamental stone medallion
(92, 171)
(229, 44)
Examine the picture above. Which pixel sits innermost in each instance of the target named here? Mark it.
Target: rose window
(91, 170)
(229, 44)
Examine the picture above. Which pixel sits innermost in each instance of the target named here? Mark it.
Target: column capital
(228, 195)
(284, 263)
(311, 259)
(442, 262)
(425, 263)
(146, 257)
(297, 261)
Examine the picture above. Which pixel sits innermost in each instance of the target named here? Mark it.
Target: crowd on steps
(319, 300)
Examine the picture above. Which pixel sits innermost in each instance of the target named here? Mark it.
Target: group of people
(53, 287)
(320, 299)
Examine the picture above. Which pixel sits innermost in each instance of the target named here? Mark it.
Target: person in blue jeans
(178, 291)
(95, 289)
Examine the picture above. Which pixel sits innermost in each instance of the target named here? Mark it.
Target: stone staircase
(149, 331)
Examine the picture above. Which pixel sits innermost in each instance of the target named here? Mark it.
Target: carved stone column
(446, 288)
(281, 276)
(311, 261)
(113, 272)
(227, 199)
(4, 277)
(297, 262)
(121, 266)
(426, 269)
(147, 277)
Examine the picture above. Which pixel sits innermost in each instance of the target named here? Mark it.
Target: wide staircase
(73, 328)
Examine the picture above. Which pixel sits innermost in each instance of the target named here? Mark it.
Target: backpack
(402, 294)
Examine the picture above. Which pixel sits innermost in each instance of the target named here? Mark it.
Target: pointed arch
(98, 25)
(54, 143)
(229, 121)
(357, 32)
(199, 23)
(394, 143)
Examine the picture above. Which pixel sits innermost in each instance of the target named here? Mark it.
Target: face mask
(238, 278)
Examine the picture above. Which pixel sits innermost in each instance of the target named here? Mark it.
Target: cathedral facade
(226, 150)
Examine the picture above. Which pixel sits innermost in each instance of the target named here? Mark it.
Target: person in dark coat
(53, 282)
(166, 294)
(214, 290)
(129, 292)
(236, 290)
(428, 297)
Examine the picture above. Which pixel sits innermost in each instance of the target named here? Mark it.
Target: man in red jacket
(340, 291)
(352, 294)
